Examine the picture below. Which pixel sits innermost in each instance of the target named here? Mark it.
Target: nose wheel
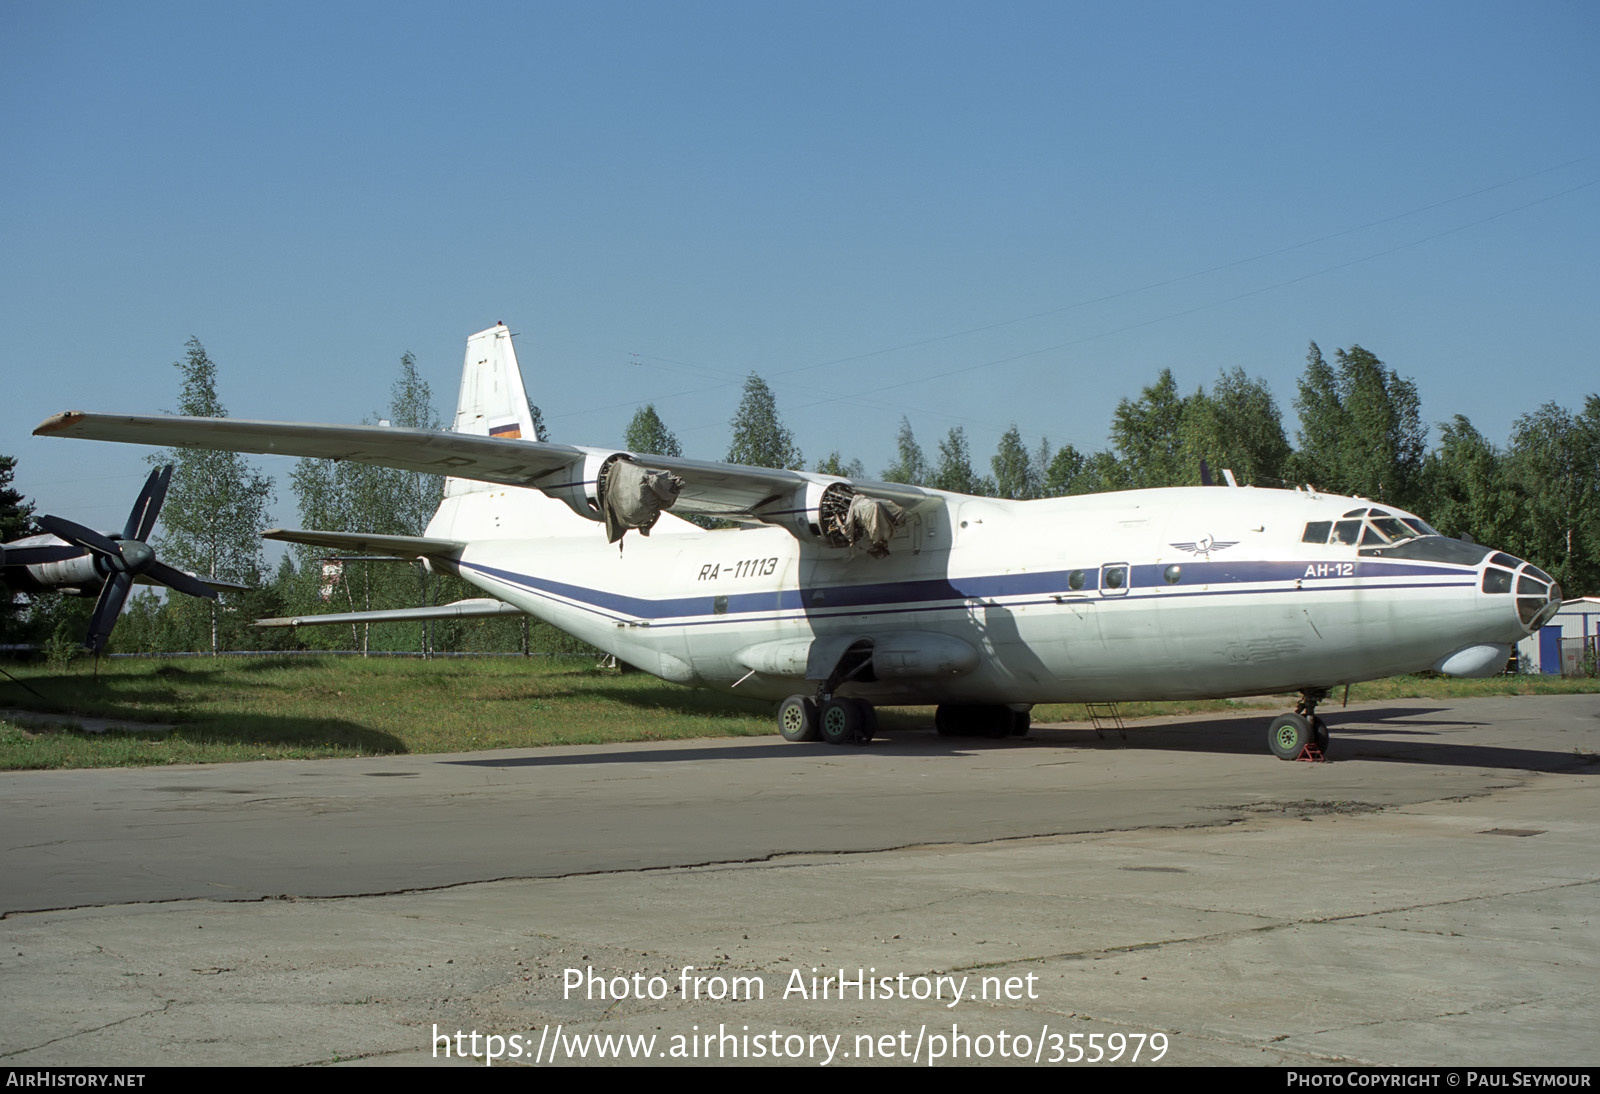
(1301, 735)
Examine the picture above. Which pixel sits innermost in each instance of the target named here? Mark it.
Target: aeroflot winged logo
(1205, 545)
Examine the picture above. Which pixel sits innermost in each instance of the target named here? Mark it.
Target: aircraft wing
(477, 608)
(568, 472)
(488, 459)
(368, 543)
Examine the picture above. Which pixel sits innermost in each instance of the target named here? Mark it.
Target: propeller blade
(143, 516)
(73, 532)
(177, 579)
(106, 609)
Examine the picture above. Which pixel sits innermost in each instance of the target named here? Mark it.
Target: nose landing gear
(1301, 735)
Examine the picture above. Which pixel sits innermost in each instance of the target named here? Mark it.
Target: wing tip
(57, 422)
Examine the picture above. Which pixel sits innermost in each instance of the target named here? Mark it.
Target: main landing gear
(836, 720)
(1301, 734)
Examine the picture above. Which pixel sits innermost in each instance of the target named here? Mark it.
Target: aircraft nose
(1538, 598)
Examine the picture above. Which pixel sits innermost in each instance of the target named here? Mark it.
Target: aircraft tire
(1288, 736)
(1021, 722)
(797, 718)
(1319, 734)
(839, 721)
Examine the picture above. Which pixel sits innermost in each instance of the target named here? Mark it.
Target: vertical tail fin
(493, 401)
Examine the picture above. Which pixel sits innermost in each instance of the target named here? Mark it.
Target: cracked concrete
(1363, 911)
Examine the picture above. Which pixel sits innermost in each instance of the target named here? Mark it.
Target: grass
(234, 709)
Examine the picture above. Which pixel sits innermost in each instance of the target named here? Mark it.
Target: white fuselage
(1186, 592)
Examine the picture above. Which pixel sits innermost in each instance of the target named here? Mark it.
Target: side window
(1114, 579)
(1317, 531)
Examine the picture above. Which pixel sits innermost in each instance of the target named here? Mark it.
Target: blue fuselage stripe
(942, 594)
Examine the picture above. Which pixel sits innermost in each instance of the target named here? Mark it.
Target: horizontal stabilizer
(368, 543)
(479, 608)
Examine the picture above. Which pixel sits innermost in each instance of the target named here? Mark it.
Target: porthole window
(720, 605)
(1075, 580)
(1115, 577)
(1172, 574)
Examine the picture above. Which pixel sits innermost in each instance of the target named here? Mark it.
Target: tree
(1148, 436)
(1555, 462)
(215, 507)
(954, 472)
(759, 438)
(1015, 476)
(1361, 430)
(910, 465)
(648, 435)
(1061, 473)
(15, 517)
(1238, 427)
(1468, 488)
(835, 465)
(349, 496)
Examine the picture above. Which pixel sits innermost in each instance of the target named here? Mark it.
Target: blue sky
(969, 215)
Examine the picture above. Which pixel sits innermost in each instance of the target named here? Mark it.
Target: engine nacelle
(833, 514)
(578, 484)
(72, 576)
(617, 489)
(817, 512)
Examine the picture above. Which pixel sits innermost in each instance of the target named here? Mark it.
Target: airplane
(79, 561)
(832, 596)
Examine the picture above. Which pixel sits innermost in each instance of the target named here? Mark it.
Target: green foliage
(1468, 488)
(1063, 470)
(1015, 475)
(214, 513)
(835, 465)
(648, 435)
(910, 465)
(1238, 427)
(1361, 430)
(1161, 438)
(954, 472)
(16, 517)
(1555, 462)
(1147, 435)
(759, 438)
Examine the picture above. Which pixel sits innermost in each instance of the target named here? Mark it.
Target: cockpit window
(1393, 529)
(1368, 527)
